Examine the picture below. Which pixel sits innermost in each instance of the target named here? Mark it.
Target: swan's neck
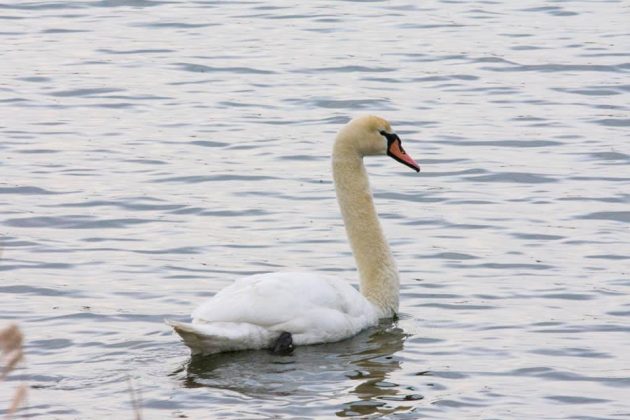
(377, 269)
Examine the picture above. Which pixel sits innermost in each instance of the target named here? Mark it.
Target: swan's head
(373, 136)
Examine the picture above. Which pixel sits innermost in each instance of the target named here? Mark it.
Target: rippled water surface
(153, 151)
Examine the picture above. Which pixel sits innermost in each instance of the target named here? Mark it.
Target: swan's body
(254, 311)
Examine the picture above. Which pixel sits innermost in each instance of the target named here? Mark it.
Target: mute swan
(279, 310)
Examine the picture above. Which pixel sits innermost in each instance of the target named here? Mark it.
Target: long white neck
(377, 268)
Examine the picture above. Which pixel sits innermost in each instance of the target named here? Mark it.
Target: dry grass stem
(11, 354)
(136, 400)
(10, 349)
(18, 398)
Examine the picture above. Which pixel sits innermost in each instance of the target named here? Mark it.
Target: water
(152, 152)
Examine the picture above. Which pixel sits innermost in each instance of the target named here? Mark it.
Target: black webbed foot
(283, 344)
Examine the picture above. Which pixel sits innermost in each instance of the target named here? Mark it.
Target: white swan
(277, 310)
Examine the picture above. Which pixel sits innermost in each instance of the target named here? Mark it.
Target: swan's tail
(216, 337)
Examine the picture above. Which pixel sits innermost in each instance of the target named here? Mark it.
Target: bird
(279, 311)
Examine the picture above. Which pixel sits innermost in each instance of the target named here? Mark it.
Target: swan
(280, 310)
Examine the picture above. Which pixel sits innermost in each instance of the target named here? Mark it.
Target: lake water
(151, 152)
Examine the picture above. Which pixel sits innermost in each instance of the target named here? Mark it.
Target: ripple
(34, 266)
(93, 92)
(595, 90)
(617, 216)
(458, 306)
(348, 69)
(200, 68)
(128, 204)
(177, 25)
(451, 256)
(573, 352)
(28, 191)
(610, 156)
(512, 177)
(609, 257)
(568, 296)
(138, 51)
(567, 399)
(35, 79)
(614, 122)
(29, 290)
(563, 68)
(505, 143)
(513, 266)
(213, 178)
(73, 222)
(537, 236)
(52, 344)
(207, 143)
(552, 10)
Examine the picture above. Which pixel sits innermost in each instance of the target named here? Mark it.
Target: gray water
(151, 152)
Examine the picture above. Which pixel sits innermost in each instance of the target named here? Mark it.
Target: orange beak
(395, 150)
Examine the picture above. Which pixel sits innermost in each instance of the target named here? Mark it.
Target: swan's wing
(313, 308)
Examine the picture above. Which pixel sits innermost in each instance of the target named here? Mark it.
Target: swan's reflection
(351, 374)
